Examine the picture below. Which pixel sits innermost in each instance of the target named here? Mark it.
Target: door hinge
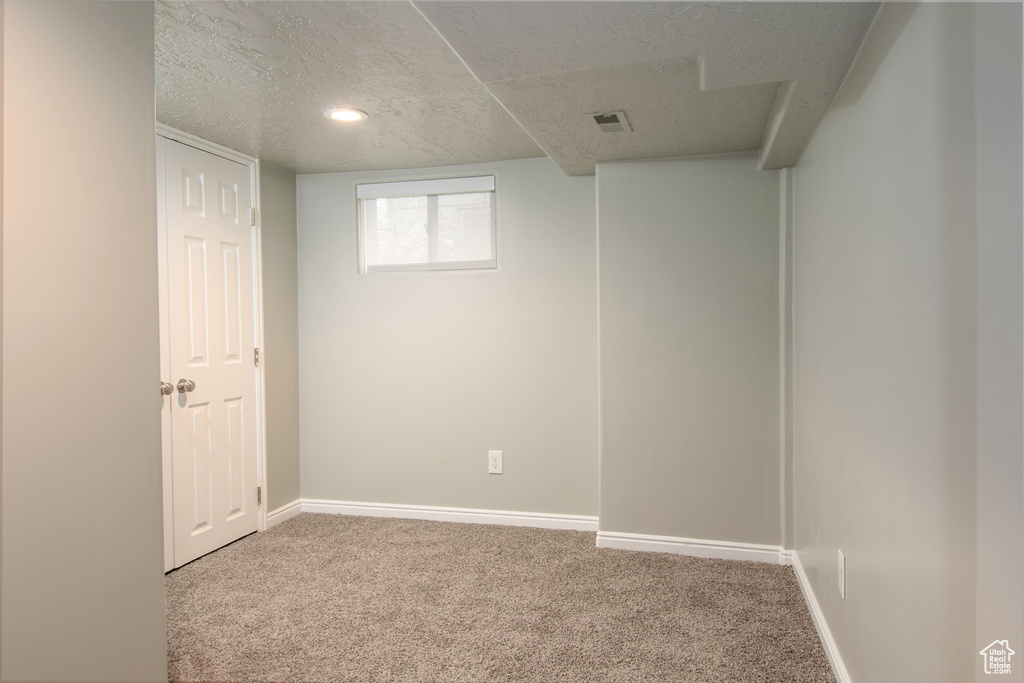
(259, 495)
(256, 357)
(252, 216)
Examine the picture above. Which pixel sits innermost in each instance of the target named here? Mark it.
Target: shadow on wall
(883, 37)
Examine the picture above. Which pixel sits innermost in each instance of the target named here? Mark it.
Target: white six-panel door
(210, 338)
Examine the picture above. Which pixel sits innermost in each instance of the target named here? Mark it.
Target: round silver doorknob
(166, 388)
(185, 385)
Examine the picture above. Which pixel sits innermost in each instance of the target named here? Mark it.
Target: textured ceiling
(691, 78)
(256, 77)
(669, 114)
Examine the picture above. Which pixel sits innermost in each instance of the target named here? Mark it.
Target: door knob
(166, 388)
(185, 385)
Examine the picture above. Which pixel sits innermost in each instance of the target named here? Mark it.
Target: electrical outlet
(494, 462)
(842, 574)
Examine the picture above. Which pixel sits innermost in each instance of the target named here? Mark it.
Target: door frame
(164, 132)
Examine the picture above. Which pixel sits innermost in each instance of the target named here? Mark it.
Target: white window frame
(430, 188)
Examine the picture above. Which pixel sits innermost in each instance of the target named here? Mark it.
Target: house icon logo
(997, 657)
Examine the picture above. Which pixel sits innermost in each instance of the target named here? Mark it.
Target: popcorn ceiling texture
(692, 78)
(670, 115)
(256, 77)
(553, 63)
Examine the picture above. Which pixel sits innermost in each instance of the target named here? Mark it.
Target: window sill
(488, 264)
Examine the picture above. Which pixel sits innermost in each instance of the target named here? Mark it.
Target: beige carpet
(332, 598)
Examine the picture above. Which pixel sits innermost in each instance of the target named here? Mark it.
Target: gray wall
(407, 380)
(1000, 334)
(690, 348)
(280, 333)
(885, 285)
(83, 595)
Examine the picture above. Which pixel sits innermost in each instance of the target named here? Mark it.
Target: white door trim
(205, 145)
(165, 358)
(164, 131)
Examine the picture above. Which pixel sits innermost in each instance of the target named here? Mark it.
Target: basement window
(425, 225)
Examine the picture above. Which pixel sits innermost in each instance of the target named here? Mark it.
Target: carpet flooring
(335, 599)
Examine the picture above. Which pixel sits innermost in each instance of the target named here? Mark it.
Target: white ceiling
(692, 78)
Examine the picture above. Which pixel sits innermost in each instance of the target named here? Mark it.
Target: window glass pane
(464, 227)
(396, 230)
(434, 224)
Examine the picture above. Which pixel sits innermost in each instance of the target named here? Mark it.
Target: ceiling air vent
(612, 122)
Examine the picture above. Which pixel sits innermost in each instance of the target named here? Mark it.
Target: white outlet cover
(494, 462)
(842, 574)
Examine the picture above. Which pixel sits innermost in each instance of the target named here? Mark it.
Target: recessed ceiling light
(345, 114)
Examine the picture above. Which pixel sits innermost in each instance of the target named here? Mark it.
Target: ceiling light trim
(346, 114)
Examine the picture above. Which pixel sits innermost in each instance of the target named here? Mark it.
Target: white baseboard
(695, 547)
(443, 514)
(275, 517)
(824, 634)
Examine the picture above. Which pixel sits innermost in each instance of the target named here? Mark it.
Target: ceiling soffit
(692, 78)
